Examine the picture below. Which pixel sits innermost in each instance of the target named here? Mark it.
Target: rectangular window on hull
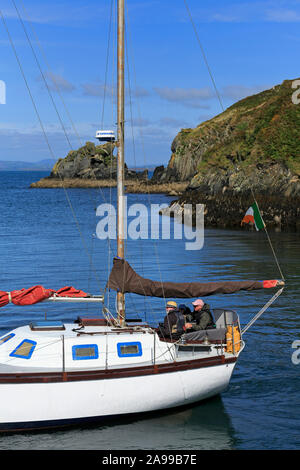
(24, 350)
(129, 349)
(6, 338)
(85, 351)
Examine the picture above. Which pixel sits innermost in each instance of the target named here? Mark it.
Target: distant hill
(42, 165)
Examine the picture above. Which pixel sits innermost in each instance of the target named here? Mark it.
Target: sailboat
(55, 374)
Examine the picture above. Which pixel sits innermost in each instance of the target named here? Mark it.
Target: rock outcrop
(260, 129)
(88, 162)
(252, 148)
(88, 166)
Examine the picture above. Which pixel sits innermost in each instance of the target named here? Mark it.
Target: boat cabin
(90, 344)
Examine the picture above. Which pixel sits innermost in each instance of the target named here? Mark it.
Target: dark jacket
(186, 311)
(173, 324)
(203, 319)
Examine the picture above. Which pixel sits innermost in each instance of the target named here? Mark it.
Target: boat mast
(120, 159)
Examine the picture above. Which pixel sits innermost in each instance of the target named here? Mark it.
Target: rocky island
(250, 150)
(93, 166)
(89, 166)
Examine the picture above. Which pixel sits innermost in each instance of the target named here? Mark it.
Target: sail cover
(124, 279)
(37, 294)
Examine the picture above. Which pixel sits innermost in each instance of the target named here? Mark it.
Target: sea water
(48, 237)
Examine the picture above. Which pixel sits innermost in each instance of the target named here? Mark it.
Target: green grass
(262, 127)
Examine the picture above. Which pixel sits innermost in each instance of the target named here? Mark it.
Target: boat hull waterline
(66, 403)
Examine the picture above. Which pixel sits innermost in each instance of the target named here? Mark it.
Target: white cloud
(173, 122)
(223, 18)
(82, 12)
(28, 136)
(200, 98)
(57, 12)
(140, 92)
(94, 89)
(56, 81)
(141, 122)
(283, 16)
(205, 117)
(238, 92)
(190, 97)
(98, 89)
(285, 11)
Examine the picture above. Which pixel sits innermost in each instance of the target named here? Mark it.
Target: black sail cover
(124, 279)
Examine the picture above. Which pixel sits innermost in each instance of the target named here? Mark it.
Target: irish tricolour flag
(253, 216)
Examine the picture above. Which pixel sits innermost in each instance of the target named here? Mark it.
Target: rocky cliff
(260, 129)
(251, 148)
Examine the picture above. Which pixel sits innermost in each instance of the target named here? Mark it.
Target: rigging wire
(113, 22)
(53, 79)
(42, 74)
(141, 132)
(203, 54)
(101, 122)
(70, 118)
(130, 41)
(222, 107)
(75, 130)
(107, 60)
(46, 137)
(268, 236)
(133, 140)
(277, 294)
(58, 89)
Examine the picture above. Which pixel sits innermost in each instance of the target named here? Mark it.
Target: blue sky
(249, 45)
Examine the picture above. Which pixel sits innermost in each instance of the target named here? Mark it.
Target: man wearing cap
(173, 321)
(202, 317)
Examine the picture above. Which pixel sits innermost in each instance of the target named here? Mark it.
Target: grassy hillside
(258, 129)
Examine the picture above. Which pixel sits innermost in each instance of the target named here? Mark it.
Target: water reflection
(206, 426)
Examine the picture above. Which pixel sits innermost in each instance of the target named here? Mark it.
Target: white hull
(41, 405)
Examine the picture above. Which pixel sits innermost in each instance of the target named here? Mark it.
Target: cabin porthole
(129, 349)
(6, 338)
(24, 350)
(85, 352)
